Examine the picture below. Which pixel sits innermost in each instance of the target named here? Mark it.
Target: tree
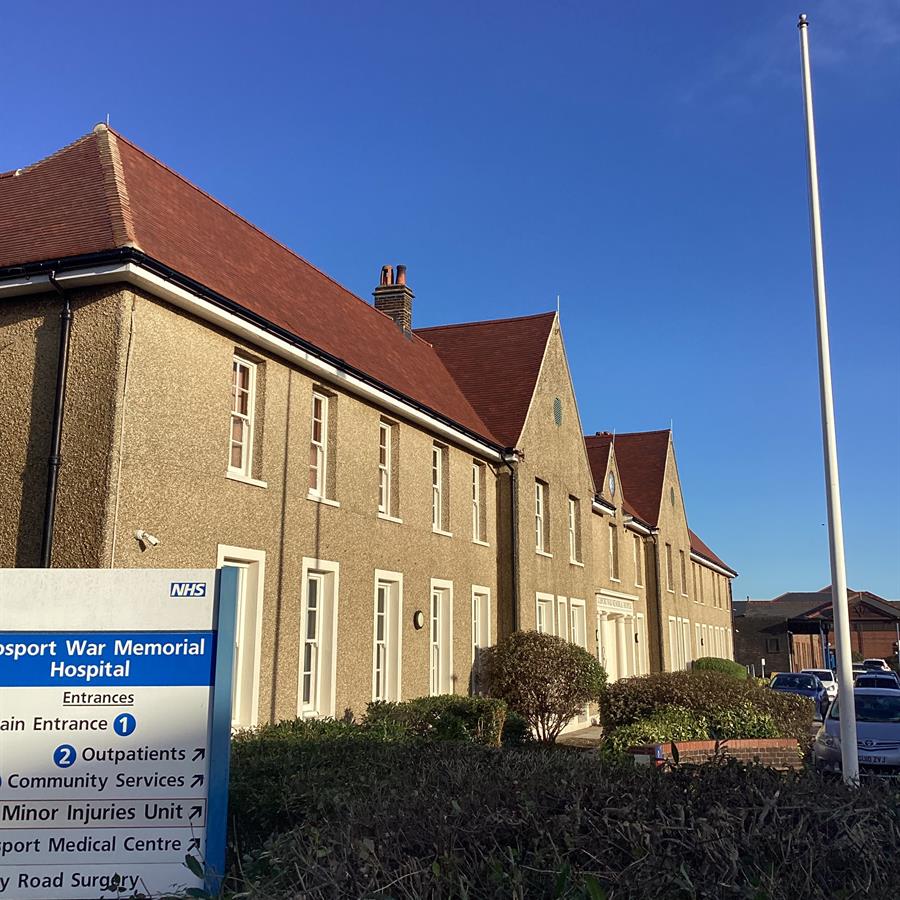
(545, 679)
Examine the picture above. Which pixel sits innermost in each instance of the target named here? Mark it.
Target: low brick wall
(780, 753)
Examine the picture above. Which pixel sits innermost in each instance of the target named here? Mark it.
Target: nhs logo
(187, 589)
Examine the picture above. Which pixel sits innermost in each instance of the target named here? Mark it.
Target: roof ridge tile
(485, 322)
(116, 187)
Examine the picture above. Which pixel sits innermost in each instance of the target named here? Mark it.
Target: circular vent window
(612, 484)
(557, 411)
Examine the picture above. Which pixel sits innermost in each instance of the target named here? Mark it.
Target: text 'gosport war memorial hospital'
(393, 498)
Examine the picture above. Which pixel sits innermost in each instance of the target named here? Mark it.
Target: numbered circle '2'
(64, 756)
(124, 724)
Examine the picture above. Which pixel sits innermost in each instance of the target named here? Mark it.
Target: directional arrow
(198, 779)
(195, 844)
(196, 812)
(199, 753)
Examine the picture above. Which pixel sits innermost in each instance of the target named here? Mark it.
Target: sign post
(115, 721)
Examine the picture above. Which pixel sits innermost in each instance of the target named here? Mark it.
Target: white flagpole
(849, 755)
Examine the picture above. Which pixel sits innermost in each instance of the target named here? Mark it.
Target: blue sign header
(106, 658)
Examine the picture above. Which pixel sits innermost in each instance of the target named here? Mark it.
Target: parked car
(804, 684)
(826, 676)
(878, 665)
(858, 669)
(877, 733)
(887, 680)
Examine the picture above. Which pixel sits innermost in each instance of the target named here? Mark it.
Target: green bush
(516, 732)
(352, 815)
(545, 679)
(669, 723)
(723, 700)
(448, 717)
(715, 664)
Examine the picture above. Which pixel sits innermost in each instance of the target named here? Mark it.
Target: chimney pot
(401, 274)
(394, 298)
(387, 275)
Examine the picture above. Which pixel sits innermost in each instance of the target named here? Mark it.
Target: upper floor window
(440, 500)
(541, 517)
(614, 553)
(479, 528)
(670, 575)
(318, 446)
(388, 495)
(638, 551)
(683, 572)
(243, 414)
(574, 530)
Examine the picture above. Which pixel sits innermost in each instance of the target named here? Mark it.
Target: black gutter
(54, 460)
(130, 254)
(514, 538)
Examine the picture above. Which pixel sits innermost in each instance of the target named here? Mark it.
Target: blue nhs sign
(187, 589)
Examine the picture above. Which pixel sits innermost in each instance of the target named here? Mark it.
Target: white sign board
(107, 731)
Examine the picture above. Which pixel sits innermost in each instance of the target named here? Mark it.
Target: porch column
(621, 648)
(602, 642)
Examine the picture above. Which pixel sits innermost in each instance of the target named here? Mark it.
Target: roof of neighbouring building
(496, 363)
(802, 604)
(102, 193)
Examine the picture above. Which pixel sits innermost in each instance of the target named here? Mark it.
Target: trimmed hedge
(357, 816)
(716, 664)
(448, 717)
(670, 723)
(734, 709)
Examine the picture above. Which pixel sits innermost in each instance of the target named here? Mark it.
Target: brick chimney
(394, 297)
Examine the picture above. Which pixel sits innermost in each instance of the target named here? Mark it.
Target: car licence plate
(872, 760)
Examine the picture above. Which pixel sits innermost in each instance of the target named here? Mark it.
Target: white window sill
(316, 499)
(441, 532)
(245, 479)
(616, 580)
(543, 553)
(575, 562)
(480, 542)
(670, 590)
(388, 518)
(638, 584)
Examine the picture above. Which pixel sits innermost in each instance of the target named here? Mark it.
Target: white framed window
(574, 530)
(440, 501)
(578, 629)
(541, 518)
(700, 580)
(562, 618)
(637, 549)
(385, 454)
(679, 643)
(318, 633)
(683, 560)
(698, 640)
(441, 637)
(243, 417)
(481, 632)
(614, 553)
(387, 636)
(479, 523)
(544, 613)
(251, 569)
(318, 446)
(704, 637)
(641, 655)
(670, 575)
(686, 639)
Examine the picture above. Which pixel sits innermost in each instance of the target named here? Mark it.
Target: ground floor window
(679, 643)
(250, 566)
(318, 630)
(387, 635)
(544, 613)
(441, 638)
(481, 635)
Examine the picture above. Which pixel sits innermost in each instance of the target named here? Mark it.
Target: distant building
(796, 630)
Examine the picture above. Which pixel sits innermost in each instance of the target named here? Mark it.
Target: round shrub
(447, 717)
(715, 664)
(545, 679)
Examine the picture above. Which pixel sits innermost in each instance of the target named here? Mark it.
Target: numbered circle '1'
(124, 724)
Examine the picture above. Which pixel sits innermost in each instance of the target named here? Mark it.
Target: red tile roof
(702, 550)
(496, 364)
(102, 193)
(641, 460)
(598, 457)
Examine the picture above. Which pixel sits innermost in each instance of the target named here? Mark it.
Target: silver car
(877, 733)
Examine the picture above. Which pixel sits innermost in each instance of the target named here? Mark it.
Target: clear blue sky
(645, 161)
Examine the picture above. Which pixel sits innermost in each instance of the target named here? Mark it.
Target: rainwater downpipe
(660, 628)
(514, 532)
(54, 460)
